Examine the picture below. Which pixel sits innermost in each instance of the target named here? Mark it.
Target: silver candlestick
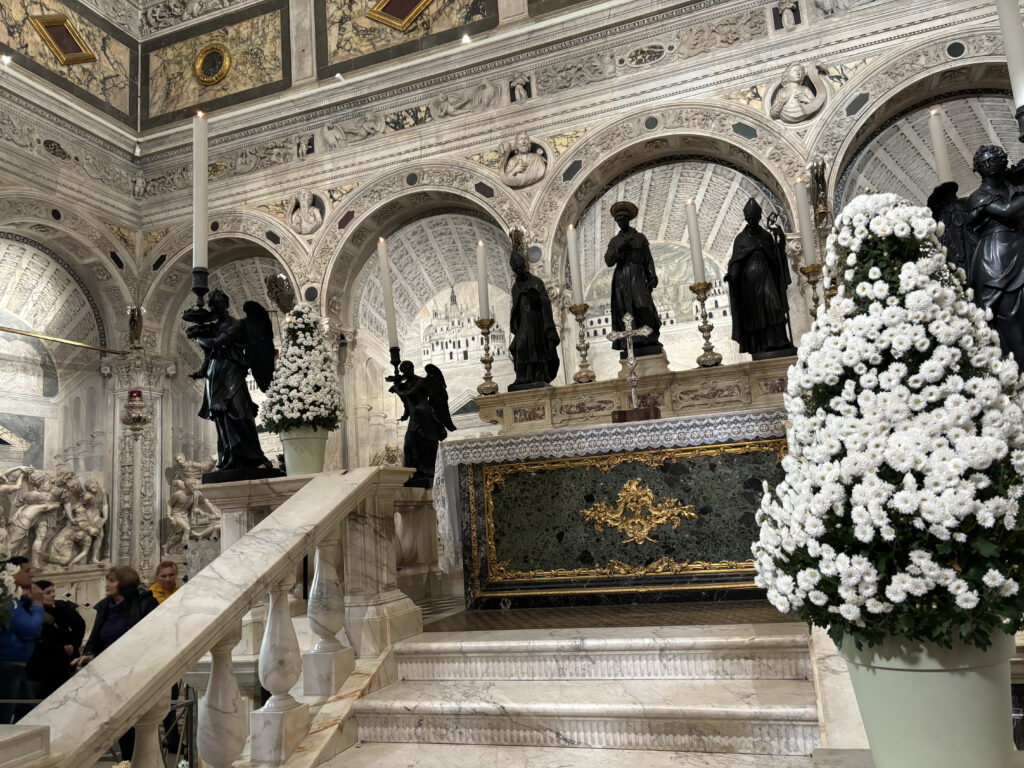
(584, 375)
(487, 386)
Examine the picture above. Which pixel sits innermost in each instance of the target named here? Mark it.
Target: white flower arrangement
(304, 391)
(899, 515)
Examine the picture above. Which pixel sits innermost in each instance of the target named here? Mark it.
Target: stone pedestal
(324, 672)
(199, 554)
(648, 365)
(275, 735)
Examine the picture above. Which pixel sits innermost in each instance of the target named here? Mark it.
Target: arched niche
(899, 156)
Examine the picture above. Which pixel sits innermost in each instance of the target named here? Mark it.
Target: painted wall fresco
(256, 60)
(107, 79)
(352, 36)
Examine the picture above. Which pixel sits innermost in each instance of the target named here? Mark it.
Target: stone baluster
(147, 735)
(331, 661)
(279, 726)
(222, 721)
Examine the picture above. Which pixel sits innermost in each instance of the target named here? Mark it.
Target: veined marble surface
(476, 756)
(255, 47)
(351, 33)
(107, 78)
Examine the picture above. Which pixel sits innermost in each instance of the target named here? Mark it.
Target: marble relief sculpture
(520, 87)
(786, 12)
(307, 218)
(473, 99)
(54, 519)
(795, 101)
(522, 162)
(192, 516)
(633, 283)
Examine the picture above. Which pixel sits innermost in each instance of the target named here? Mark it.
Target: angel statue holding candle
(426, 408)
(232, 348)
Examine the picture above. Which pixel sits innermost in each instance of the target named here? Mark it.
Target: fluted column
(332, 660)
(222, 722)
(279, 726)
(147, 735)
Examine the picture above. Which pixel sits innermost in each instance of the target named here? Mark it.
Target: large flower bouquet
(899, 515)
(304, 391)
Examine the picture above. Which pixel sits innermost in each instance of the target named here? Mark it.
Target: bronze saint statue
(233, 347)
(758, 275)
(426, 408)
(534, 347)
(633, 283)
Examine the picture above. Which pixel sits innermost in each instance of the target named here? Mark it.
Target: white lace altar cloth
(592, 440)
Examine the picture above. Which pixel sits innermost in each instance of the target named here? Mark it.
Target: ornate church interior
(490, 374)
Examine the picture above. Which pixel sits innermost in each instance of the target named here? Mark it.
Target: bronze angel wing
(959, 238)
(259, 343)
(437, 394)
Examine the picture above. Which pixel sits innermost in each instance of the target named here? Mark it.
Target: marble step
(476, 756)
(745, 651)
(735, 716)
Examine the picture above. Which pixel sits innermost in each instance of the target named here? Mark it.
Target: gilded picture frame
(212, 64)
(378, 13)
(44, 24)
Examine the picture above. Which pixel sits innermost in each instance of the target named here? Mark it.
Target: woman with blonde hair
(165, 582)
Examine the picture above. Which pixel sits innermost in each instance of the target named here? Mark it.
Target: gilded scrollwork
(628, 515)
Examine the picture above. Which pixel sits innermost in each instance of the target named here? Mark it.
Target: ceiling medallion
(399, 14)
(62, 39)
(212, 64)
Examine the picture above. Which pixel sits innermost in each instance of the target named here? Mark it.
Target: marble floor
(660, 614)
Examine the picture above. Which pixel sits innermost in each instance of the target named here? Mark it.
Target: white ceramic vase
(929, 707)
(304, 449)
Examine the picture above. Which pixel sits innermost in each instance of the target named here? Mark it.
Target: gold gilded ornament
(637, 525)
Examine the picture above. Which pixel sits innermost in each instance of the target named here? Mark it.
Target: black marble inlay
(857, 104)
(744, 130)
(956, 50)
(570, 173)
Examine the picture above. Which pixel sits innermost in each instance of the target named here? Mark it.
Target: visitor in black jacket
(63, 630)
(123, 607)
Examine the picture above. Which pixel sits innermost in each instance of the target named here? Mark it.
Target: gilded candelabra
(487, 386)
(708, 358)
(813, 274)
(584, 375)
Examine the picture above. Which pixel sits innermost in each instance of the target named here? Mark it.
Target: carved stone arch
(391, 201)
(925, 74)
(736, 135)
(85, 247)
(237, 232)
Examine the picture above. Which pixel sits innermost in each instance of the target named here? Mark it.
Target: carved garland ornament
(634, 499)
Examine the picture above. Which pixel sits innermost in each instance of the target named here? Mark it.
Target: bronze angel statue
(426, 407)
(232, 347)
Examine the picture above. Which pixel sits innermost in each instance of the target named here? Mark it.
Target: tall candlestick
(572, 243)
(481, 276)
(938, 137)
(199, 196)
(389, 297)
(803, 215)
(696, 252)
(1013, 45)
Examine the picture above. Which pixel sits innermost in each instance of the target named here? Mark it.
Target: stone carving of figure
(82, 538)
(534, 345)
(388, 456)
(138, 185)
(192, 515)
(426, 408)
(633, 283)
(758, 275)
(795, 101)
(786, 12)
(519, 83)
(233, 347)
(307, 218)
(995, 212)
(472, 99)
(35, 511)
(521, 165)
(829, 7)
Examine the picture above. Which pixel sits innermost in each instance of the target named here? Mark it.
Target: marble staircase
(738, 689)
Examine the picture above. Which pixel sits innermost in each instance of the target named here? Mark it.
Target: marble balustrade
(130, 684)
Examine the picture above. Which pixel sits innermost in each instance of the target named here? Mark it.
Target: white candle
(938, 136)
(481, 278)
(696, 253)
(389, 297)
(572, 243)
(199, 197)
(1013, 45)
(803, 215)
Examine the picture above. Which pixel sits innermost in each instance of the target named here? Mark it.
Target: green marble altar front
(615, 526)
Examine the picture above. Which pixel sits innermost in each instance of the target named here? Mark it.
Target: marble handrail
(123, 684)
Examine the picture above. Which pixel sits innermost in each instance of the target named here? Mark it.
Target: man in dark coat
(534, 347)
(758, 275)
(633, 283)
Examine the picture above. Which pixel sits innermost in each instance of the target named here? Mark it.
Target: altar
(614, 513)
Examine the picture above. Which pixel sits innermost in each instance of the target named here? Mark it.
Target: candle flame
(199, 114)
(689, 201)
(479, 243)
(381, 240)
(935, 111)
